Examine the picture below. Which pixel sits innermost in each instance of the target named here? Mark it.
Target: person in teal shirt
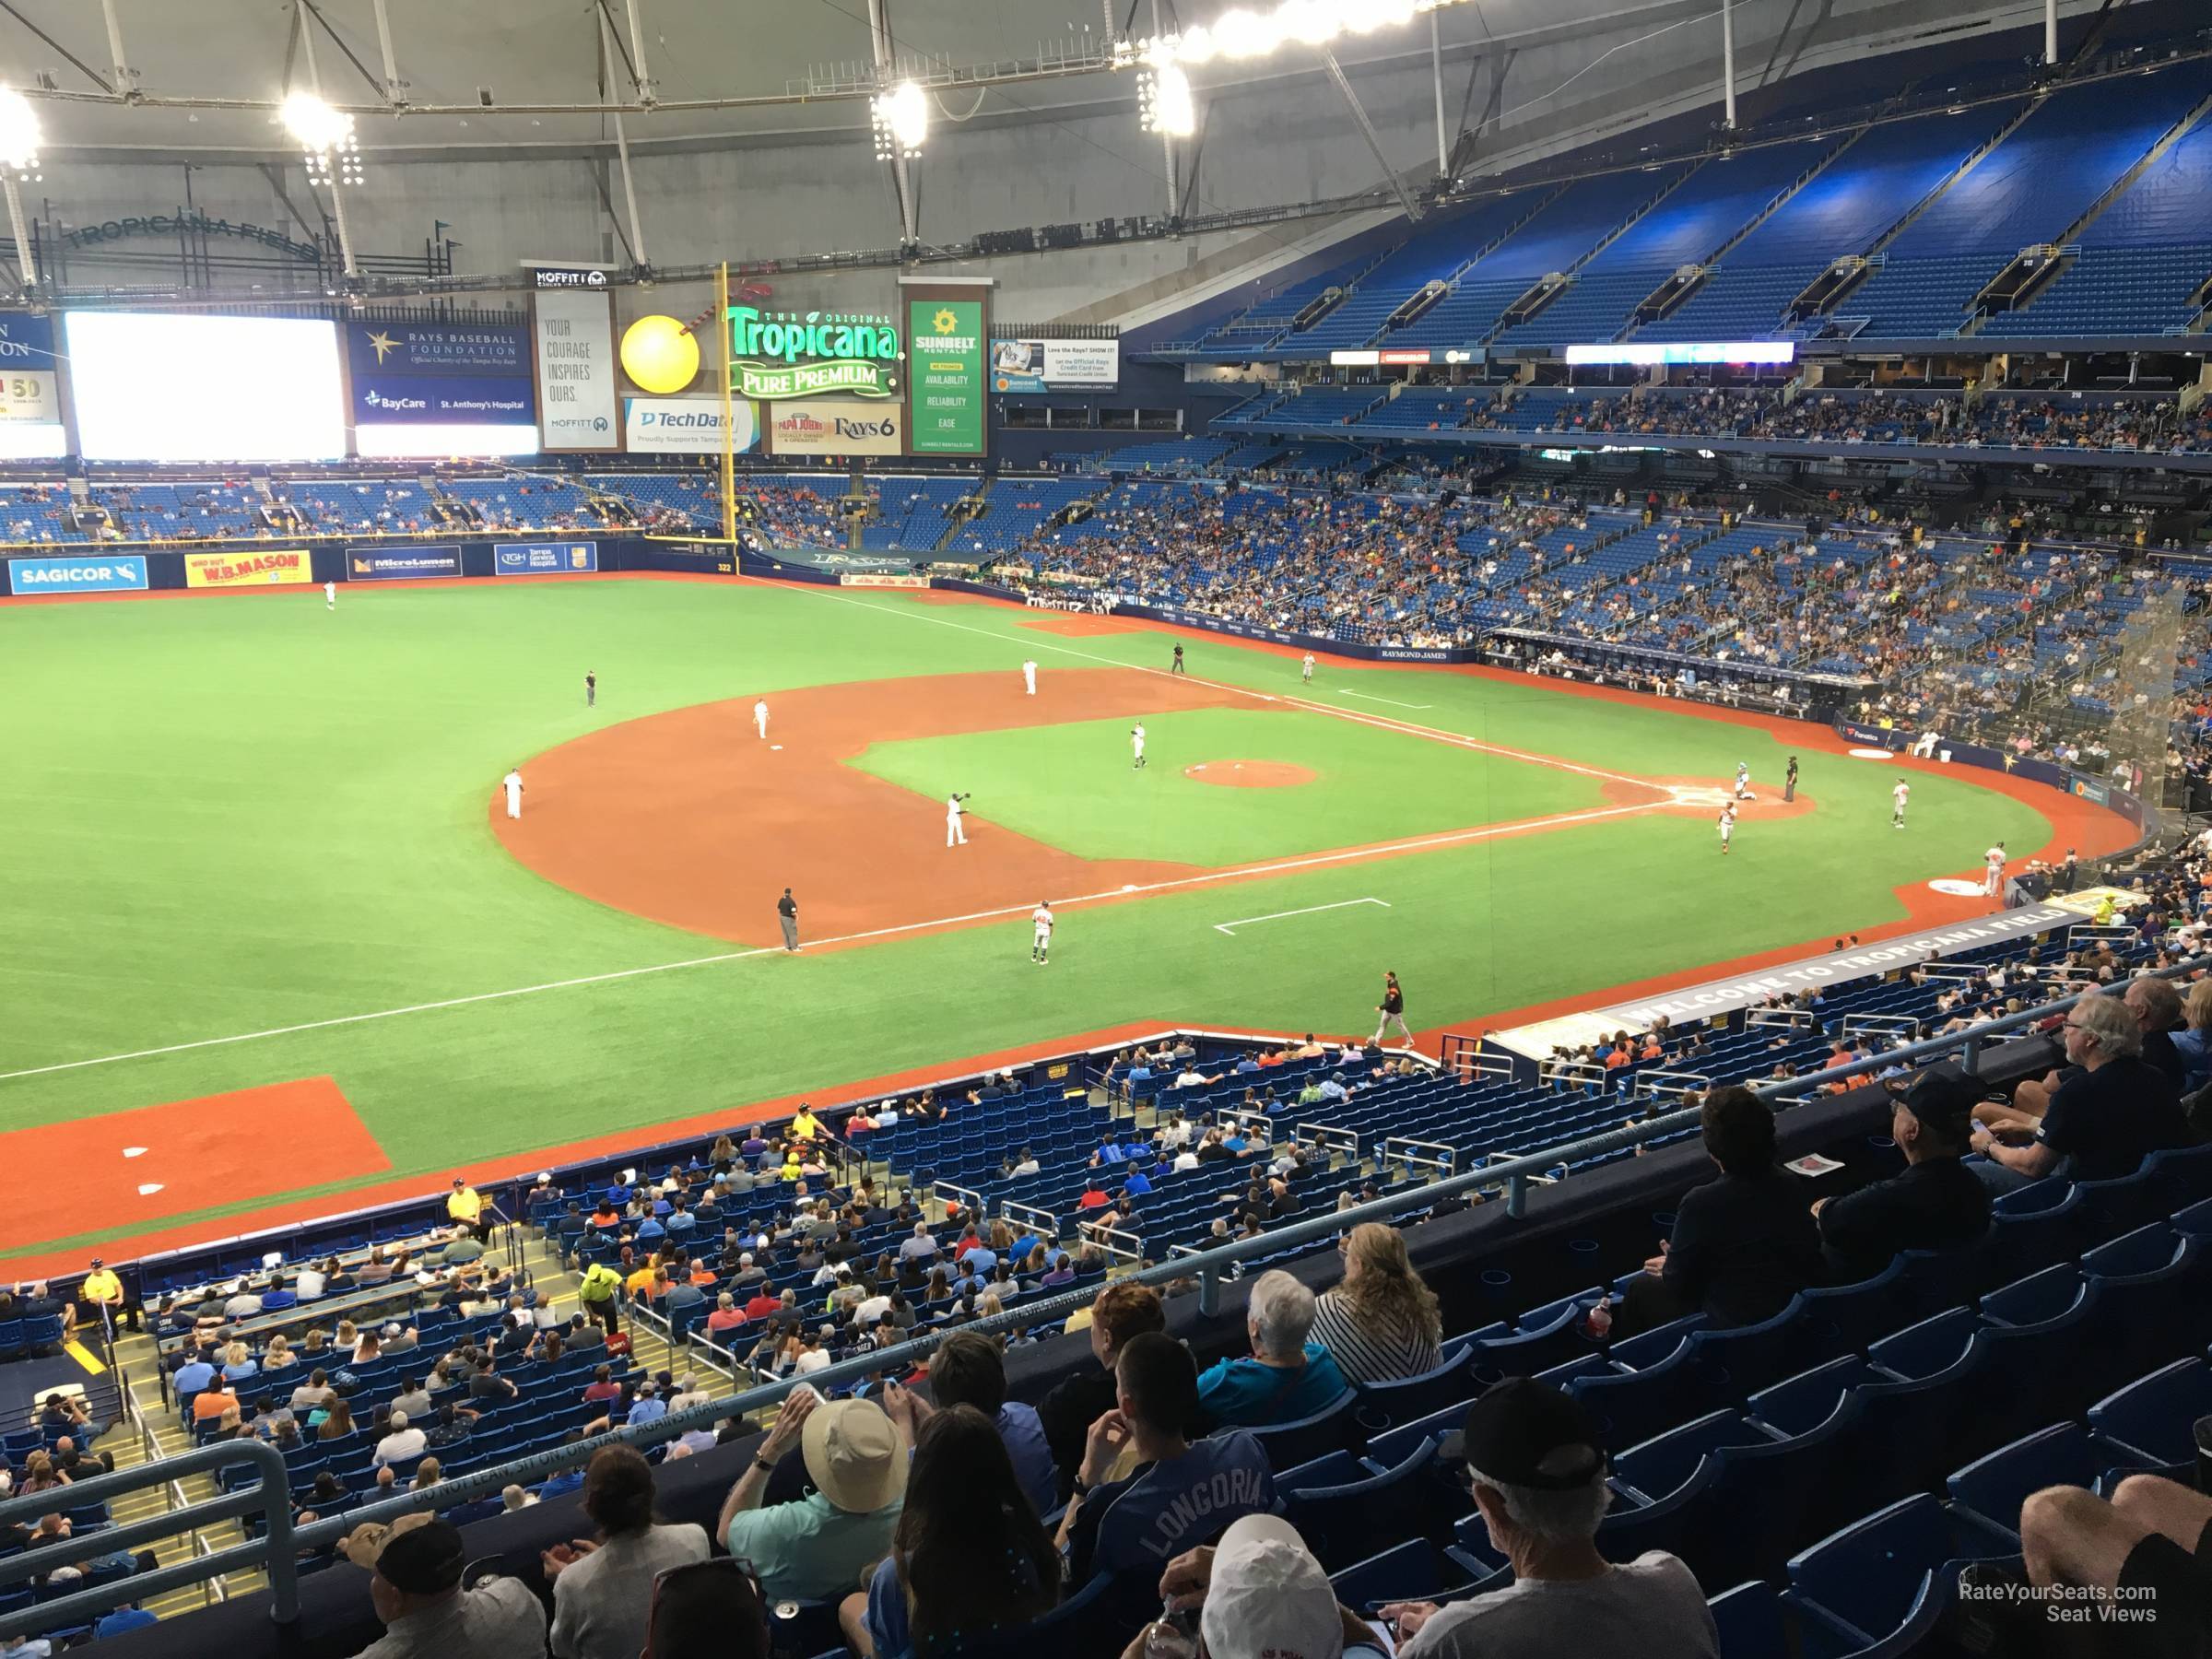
(1287, 1377)
(819, 1546)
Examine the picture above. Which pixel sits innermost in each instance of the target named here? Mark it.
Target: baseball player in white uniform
(1992, 875)
(330, 595)
(1137, 745)
(1743, 779)
(1899, 797)
(1040, 922)
(956, 832)
(760, 716)
(512, 784)
(1727, 824)
(1028, 677)
(1306, 669)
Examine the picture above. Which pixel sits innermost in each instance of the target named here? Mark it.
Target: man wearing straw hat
(820, 1545)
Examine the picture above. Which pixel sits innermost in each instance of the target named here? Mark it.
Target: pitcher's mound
(1250, 774)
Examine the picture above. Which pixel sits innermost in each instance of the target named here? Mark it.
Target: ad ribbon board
(89, 573)
(687, 426)
(574, 334)
(250, 567)
(828, 426)
(401, 564)
(544, 559)
(945, 339)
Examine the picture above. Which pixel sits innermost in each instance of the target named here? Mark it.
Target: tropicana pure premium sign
(784, 354)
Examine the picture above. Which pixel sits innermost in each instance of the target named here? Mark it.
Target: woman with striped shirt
(1382, 1322)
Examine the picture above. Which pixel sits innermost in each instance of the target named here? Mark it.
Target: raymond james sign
(783, 354)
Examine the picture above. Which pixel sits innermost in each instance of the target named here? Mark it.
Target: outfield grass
(1076, 786)
(239, 813)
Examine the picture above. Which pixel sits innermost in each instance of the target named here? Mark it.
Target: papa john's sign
(831, 426)
(775, 355)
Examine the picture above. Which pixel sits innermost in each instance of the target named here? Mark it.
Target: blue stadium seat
(1887, 1578)
(1632, 1407)
(1341, 1523)
(1328, 1429)
(1993, 1485)
(1414, 1570)
(1385, 1406)
(2150, 1420)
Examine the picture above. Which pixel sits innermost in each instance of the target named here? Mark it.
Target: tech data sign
(687, 426)
(775, 355)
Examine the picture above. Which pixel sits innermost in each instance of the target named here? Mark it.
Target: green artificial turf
(230, 814)
(1369, 785)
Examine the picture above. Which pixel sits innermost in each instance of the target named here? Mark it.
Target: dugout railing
(276, 1545)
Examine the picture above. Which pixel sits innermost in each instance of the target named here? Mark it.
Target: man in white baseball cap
(1261, 1595)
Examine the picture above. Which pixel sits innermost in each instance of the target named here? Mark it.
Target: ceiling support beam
(1367, 131)
(394, 89)
(127, 77)
(879, 43)
(337, 187)
(629, 185)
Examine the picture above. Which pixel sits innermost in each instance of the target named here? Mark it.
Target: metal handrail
(1211, 1267)
(269, 1497)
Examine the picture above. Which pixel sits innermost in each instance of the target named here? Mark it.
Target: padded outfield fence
(280, 1543)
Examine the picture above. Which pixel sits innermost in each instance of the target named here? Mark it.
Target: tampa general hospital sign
(783, 354)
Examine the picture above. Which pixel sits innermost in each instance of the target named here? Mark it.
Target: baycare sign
(789, 354)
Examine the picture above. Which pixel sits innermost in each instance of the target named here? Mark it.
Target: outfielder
(956, 833)
(1727, 824)
(591, 689)
(760, 716)
(1899, 797)
(1137, 745)
(330, 595)
(512, 784)
(1041, 921)
(1028, 677)
(1306, 669)
(1992, 875)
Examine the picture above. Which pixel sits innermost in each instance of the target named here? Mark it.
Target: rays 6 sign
(783, 354)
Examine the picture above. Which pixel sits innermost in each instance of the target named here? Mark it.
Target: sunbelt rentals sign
(785, 354)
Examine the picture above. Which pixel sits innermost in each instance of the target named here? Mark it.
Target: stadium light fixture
(1163, 94)
(19, 134)
(901, 119)
(325, 137)
(1243, 31)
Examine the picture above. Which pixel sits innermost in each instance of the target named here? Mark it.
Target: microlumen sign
(781, 354)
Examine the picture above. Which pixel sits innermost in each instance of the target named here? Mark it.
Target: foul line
(1312, 910)
(1238, 873)
(1392, 702)
(1383, 722)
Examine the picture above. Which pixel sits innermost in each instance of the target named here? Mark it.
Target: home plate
(147, 1189)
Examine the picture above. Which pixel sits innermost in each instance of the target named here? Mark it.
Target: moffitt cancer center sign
(783, 354)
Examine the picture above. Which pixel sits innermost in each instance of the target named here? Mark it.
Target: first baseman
(955, 833)
(1028, 677)
(512, 784)
(1137, 745)
(1041, 920)
(760, 716)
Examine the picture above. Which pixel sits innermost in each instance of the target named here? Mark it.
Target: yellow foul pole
(729, 452)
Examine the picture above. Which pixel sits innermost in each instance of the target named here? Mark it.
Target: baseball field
(271, 937)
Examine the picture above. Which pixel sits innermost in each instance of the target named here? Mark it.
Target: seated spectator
(968, 1557)
(2108, 1116)
(1182, 1492)
(2157, 1006)
(1538, 1473)
(603, 1588)
(1286, 1377)
(237, 1363)
(1381, 1322)
(337, 1421)
(1937, 1203)
(486, 1384)
(969, 1369)
(1743, 1244)
(415, 1589)
(709, 1606)
(400, 1445)
(1260, 1591)
(278, 1355)
(2151, 1540)
(313, 1393)
(817, 1546)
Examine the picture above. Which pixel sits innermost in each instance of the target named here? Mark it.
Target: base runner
(1727, 826)
(1041, 922)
